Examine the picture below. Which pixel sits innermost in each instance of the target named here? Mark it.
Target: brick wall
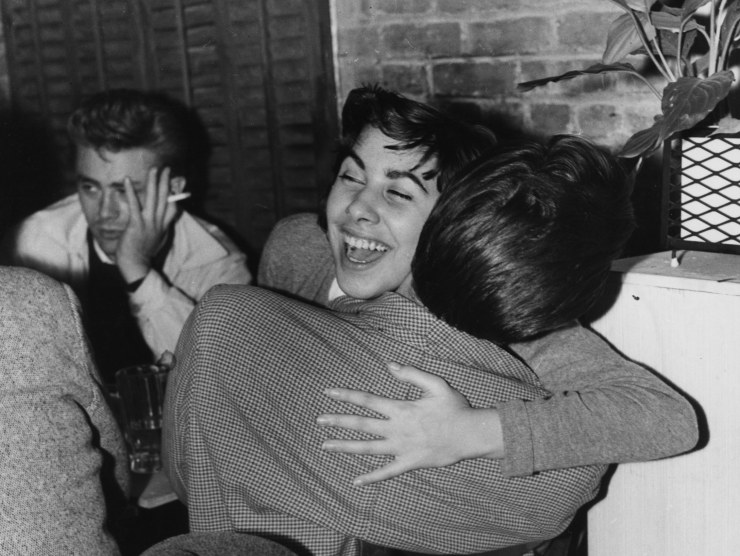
(470, 54)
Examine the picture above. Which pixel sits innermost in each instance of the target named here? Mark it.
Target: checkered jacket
(242, 446)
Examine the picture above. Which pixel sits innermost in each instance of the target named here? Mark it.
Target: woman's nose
(364, 205)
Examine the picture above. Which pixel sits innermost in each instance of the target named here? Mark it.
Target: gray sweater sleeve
(603, 408)
(297, 259)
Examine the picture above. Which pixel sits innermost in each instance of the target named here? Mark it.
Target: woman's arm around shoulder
(603, 408)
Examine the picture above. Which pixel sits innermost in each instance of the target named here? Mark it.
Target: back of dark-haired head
(122, 119)
(415, 126)
(522, 242)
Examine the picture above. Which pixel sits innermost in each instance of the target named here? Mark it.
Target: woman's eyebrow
(354, 156)
(390, 173)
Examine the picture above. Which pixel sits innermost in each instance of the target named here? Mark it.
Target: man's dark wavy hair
(522, 242)
(121, 119)
(414, 125)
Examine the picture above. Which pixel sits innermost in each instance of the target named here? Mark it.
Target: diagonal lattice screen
(703, 200)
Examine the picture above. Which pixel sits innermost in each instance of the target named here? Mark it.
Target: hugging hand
(418, 433)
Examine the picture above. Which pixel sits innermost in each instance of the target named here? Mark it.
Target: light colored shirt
(54, 241)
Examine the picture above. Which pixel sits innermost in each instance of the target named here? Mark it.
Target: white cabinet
(684, 323)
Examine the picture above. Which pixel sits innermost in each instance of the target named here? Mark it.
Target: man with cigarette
(138, 262)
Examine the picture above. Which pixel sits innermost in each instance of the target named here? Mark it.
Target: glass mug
(141, 391)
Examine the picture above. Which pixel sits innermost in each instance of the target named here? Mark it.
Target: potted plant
(690, 43)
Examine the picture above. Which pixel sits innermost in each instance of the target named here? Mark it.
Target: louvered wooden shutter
(257, 72)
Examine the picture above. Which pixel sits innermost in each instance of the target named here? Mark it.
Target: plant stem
(671, 77)
(722, 63)
(729, 39)
(714, 34)
(656, 42)
(646, 44)
(679, 57)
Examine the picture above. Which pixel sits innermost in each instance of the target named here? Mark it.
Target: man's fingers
(354, 422)
(426, 382)
(161, 192)
(150, 194)
(393, 469)
(134, 208)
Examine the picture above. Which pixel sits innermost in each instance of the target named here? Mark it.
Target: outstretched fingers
(364, 447)
(428, 383)
(393, 469)
(360, 399)
(357, 423)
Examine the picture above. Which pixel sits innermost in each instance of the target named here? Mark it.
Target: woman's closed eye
(350, 178)
(400, 194)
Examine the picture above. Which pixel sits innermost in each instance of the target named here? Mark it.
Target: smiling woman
(375, 211)
(395, 156)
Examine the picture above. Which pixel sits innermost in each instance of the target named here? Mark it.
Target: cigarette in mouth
(178, 197)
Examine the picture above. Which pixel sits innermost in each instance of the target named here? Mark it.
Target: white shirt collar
(101, 254)
(335, 291)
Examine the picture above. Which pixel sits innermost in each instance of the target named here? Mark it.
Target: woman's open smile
(377, 206)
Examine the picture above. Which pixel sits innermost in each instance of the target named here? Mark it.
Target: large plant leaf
(667, 19)
(668, 41)
(643, 142)
(622, 40)
(690, 6)
(690, 99)
(685, 103)
(595, 69)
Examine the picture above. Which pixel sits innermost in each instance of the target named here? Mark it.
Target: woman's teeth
(363, 251)
(358, 243)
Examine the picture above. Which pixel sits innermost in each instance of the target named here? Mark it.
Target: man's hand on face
(147, 227)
